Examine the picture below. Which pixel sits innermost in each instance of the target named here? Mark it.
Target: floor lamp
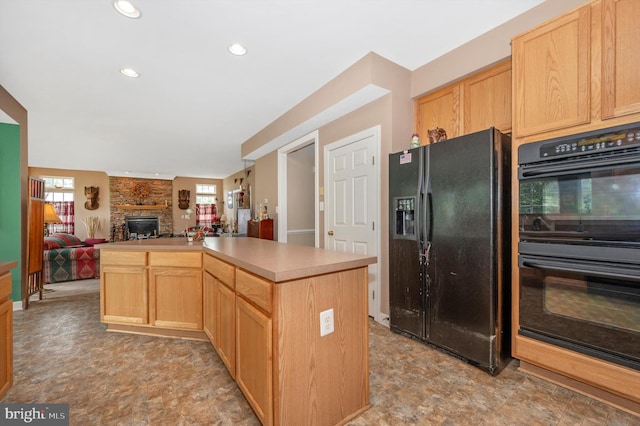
(50, 216)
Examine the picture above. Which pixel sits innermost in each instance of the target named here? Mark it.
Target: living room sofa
(67, 258)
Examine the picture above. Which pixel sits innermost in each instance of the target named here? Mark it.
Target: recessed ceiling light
(126, 8)
(237, 49)
(129, 72)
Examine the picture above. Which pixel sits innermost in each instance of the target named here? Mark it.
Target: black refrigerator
(449, 246)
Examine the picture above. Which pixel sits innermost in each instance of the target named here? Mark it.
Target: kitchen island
(289, 322)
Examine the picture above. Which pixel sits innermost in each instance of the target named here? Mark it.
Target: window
(206, 194)
(58, 189)
(206, 211)
(59, 192)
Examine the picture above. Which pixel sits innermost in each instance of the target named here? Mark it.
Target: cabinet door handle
(330, 232)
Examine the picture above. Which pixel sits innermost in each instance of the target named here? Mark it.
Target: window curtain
(206, 215)
(65, 210)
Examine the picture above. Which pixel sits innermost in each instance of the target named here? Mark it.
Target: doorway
(352, 210)
(298, 220)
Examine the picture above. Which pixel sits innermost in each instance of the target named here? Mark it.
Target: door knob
(330, 232)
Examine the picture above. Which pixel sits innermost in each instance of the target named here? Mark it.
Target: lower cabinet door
(175, 296)
(6, 346)
(124, 295)
(226, 326)
(254, 359)
(209, 308)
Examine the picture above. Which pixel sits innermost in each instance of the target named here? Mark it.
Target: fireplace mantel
(141, 207)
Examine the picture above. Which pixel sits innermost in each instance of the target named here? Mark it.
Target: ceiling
(195, 103)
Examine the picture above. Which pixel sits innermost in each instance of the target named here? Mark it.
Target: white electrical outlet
(326, 322)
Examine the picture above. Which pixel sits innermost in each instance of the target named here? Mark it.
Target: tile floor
(62, 354)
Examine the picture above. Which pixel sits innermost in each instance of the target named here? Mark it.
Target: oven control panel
(591, 144)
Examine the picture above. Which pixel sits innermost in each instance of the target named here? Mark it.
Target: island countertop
(271, 260)
(7, 266)
(153, 244)
(279, 262)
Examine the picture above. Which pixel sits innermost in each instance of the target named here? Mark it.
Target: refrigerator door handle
(425, 257)
(430, 208)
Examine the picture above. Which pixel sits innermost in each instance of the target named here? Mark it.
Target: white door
(351, 201)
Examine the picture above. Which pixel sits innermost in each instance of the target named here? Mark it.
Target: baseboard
(17, 306)
(583, 388)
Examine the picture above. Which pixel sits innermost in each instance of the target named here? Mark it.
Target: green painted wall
(10, 201)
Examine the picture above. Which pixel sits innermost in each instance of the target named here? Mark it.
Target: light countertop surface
(179, 243)
(7, 266)
(280, 261)
(271, 260)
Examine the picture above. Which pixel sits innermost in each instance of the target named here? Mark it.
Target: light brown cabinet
(124, 292)
(487, 99)
(175, 297)
(620, 59)
(209, 301)
(281, 361)
(226, 328)
(175, 290)
(438, 109)
(220, 309)
(6, 333)
(578, 72)
(551, 72)
(472, 104)
(260, 311)
(254, 373)
(575, 73)
(152, 292)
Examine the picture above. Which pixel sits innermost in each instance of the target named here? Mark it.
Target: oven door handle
(567, 168)
(586, 268)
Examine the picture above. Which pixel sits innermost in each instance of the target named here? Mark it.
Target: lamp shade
(50, 215)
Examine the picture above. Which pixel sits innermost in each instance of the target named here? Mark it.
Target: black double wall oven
(579, 243)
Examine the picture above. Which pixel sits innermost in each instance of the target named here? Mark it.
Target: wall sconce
(183, 199)
(50, 216)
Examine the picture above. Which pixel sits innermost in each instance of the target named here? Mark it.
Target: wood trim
(612, 378)
(161, 332)
(590, 391)
(141, 207)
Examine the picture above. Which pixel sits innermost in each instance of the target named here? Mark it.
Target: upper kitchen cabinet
(487, 99)
(620, 58)
(577, 70)
(438, 109)
(474, 103)
(551, 74)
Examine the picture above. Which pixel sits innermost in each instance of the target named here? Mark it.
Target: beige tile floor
(62, 354)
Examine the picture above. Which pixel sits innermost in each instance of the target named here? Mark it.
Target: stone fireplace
(139, 197)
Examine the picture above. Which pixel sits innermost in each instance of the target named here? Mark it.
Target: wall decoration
(230, 200)
(140, 191)
(437, 135)
(183, 199)
(91, 192)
